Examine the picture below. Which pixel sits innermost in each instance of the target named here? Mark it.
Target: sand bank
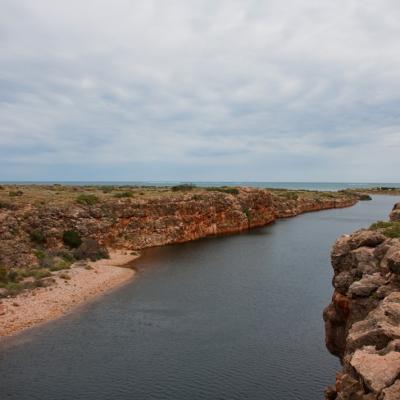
(43, 304)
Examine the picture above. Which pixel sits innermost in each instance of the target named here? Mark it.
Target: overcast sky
(281, 90)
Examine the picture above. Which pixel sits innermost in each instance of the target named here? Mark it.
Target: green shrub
(388, 228)
(9, 276)
(123, 194)
(6, 205)
(17, 193)
(87, 199)
(60, 265)
(13, 276)
(72, 239)
(40, 273)
(37, 236)
(228, 190)
(107, 189)
(184, 187)
(40, 254)
(3, 275)
(64, 276)
(65, 254)
(14, 288)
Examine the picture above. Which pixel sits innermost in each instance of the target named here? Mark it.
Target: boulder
(376, 371)
(366, 286)
(392, 392)
(393, 262)
(366, 238)
(395, 214)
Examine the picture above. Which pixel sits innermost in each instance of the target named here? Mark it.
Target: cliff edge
(362, 323)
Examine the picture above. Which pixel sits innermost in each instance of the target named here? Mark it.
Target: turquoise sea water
(278, 185)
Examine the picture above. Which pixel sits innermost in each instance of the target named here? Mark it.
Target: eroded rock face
(133, 223)
(395, 214)
(362, 323)
(138, 223)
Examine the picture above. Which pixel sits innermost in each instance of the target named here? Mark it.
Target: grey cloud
(256, 89)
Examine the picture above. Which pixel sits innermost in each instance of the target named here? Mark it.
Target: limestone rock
(395, 214)
(362, 323)
(392, 392)
(376, 371)
(366, 238)
(366, 285)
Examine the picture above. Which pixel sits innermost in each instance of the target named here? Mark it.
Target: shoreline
(35, 307)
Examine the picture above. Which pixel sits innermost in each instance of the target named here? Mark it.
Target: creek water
(235, 317)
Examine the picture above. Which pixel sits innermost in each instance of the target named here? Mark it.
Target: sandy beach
(43, 304)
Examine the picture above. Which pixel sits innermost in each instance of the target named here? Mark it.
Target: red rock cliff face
(146, 222)
(134, 224)
(292, 207)
(362, 322)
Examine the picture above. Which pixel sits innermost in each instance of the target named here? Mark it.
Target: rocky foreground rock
(362, 323)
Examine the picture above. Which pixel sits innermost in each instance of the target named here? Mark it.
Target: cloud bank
(200, 90)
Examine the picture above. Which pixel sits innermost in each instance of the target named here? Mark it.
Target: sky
(191, 90)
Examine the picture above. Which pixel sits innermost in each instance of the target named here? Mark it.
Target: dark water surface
(235, 317)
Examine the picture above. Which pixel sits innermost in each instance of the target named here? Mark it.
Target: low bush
(228, 190)
(3, 275)
(64, 276)
(14, 288)
(123, 194)
(6, 205)
(184, 187)
(72, 239)
(17, 193)
(87, 199)
(40, 254)
(40, 273)
(388, 228)
(37, 237)
(106, 189)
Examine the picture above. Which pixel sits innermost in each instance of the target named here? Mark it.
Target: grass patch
(64, 276)
(388, 228)
(60, 265)
(72, 239)
(37, 237)
(123, 194)
(6, 205)
(228, 190)
(87, 199)
(16, 193)
(40, 273)
(185, 187)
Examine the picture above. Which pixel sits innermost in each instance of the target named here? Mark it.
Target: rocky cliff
(132, 223)
(43, 226)
(40, 216)
(362, 322)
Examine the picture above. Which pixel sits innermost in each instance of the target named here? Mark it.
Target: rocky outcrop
(362, 323)
(133, 224)
(285, 208)
(395, 214)
(145, 221)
